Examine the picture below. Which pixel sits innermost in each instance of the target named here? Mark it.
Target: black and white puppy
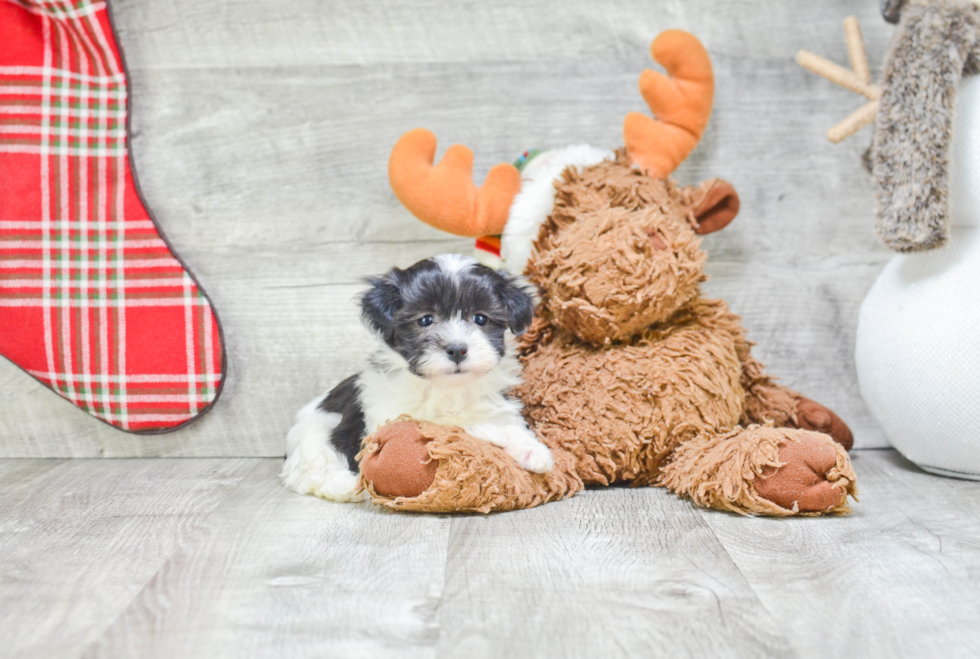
(445, 328)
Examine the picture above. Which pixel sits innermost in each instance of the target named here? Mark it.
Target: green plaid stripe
(83, 117)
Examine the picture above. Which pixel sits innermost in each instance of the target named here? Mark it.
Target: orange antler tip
(444, 195)
(683, 54)
(681, 102)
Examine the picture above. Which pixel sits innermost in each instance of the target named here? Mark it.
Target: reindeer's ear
(717, 208)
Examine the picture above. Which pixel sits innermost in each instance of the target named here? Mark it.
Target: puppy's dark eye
(425, 321)
(480, 319)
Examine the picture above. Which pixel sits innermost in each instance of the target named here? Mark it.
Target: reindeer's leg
(423, 467)
(767, 401)
(763, 470)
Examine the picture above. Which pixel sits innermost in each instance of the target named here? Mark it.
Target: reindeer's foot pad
(762, 470)
(811, 415)
(419, 466)
(397, 461)
(811, 478)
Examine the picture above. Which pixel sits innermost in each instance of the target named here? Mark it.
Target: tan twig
(837, 74)
(855, 49)
(854, 122)
(857, 79)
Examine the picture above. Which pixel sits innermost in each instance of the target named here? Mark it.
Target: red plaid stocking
(93, 303)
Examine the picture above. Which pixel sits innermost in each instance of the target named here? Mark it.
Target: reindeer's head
(621, 251)
(616, 244)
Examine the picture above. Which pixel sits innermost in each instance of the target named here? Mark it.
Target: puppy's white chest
(386, 396)
(456, 406)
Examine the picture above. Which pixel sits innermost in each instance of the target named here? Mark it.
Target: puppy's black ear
(380, 303)
(517, 300)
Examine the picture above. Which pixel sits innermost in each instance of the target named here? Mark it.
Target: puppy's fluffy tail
(312, 465)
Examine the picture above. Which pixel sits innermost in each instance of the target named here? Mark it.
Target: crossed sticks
(857, 79)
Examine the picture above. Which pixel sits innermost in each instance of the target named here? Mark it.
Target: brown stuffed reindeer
(629, 373)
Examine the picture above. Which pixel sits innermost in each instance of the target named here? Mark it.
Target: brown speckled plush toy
(629, 373)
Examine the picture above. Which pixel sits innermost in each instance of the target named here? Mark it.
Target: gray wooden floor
(213, 558)
(261, 132)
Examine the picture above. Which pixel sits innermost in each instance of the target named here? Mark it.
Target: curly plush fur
(936, 41)
(617, 253)
(638, 363)
(630, 375)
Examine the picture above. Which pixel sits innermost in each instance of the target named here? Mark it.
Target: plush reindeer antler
(444, 196)
(680, 102)
(858, 79)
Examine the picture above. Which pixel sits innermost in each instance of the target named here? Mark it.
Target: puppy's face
(447, 316)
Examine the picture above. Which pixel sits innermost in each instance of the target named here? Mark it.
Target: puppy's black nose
(456, 351)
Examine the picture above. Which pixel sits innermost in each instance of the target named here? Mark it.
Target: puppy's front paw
(534, 457)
